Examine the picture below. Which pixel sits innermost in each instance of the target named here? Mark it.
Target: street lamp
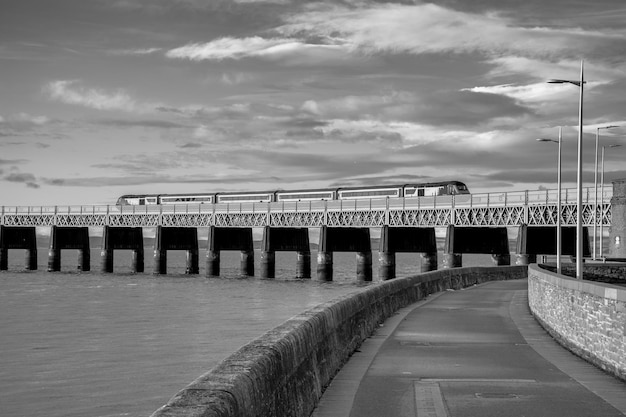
(602, 194)
(579, 185)
(558, 200)
(595, 187)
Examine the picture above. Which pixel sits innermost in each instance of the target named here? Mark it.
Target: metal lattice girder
(29, 220)
(186, 220)
(606, 214)
(297, 219)
(134, 220)
(361, 218)
(75, 220)
(240, 219)
(425, 217)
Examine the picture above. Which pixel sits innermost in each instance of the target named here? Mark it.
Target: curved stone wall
(285, 371)
(588, 318)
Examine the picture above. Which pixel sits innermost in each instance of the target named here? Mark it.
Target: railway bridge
(473, 223)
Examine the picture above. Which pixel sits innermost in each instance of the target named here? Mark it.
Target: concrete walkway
(475, 352)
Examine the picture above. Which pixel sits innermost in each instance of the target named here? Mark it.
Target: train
(345, 193)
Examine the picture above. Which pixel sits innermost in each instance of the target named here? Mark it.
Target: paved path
(475, 352)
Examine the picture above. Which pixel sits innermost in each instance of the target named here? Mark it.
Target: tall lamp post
(602, 194)
(579, 185)
(595, 187)
(558, 199)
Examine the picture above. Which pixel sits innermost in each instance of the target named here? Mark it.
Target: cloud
(141, 51)
(23, 121)
(255, 46)
(71, 92)
(425, 28)
(159, 124)
(236, 78)
(28, 179)
(12, 161)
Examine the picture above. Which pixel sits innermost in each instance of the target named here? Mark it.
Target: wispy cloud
(26, 178)
(255, 46)
(23, 123)
(139, 51)
(73, 92)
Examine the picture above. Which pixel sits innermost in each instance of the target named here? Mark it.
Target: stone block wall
(285, 371)
(588, 318)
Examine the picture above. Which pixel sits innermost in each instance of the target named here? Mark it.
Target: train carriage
(323, 194)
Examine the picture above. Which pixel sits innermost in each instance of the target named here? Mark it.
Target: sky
(100, 98)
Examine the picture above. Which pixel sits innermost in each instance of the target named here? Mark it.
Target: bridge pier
(488, 240)
(525, 259)
(69, 238)
(405, 240)
(268, 264)
(324, 266)
(285, 239)
(364, 266)
(122, 238)
(175, 238)
(344, 239)
(452, 260)
(303, 264)
(501, 259)
(541, 240)
(226, 238)
(18, 238)
(429, 262)
(386, 265)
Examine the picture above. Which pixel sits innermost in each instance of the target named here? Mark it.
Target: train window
(185, 199)
(369, 193)
(237, 198)
(420, 192)
(306, 196)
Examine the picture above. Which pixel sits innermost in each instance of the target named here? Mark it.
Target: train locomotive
(345, 193)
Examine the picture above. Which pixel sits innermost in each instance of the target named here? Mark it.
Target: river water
(101, 345)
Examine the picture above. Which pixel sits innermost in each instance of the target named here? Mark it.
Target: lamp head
(559, 81)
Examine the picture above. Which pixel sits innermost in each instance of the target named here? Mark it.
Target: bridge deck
(492, 209)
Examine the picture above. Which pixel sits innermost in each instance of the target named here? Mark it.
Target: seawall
(285, 371)
(587, 317)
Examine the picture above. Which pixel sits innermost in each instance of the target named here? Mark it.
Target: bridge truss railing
(490, 209)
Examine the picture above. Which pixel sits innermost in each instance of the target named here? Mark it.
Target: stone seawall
(588, 318)
(285, 371)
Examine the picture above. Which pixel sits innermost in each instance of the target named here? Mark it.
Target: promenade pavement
(473, 352)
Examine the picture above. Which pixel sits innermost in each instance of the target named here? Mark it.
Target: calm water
(88, 344)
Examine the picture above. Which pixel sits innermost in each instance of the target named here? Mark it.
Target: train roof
(310, 190)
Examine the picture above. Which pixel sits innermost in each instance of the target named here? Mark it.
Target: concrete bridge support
(285, 239)
(18, 238)
(227, 238)
(69, 238)
(403, 240)
(175, 238)
(617, 231)
(344, 239)
(122, 238)
(541, 240)
(488, 240)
